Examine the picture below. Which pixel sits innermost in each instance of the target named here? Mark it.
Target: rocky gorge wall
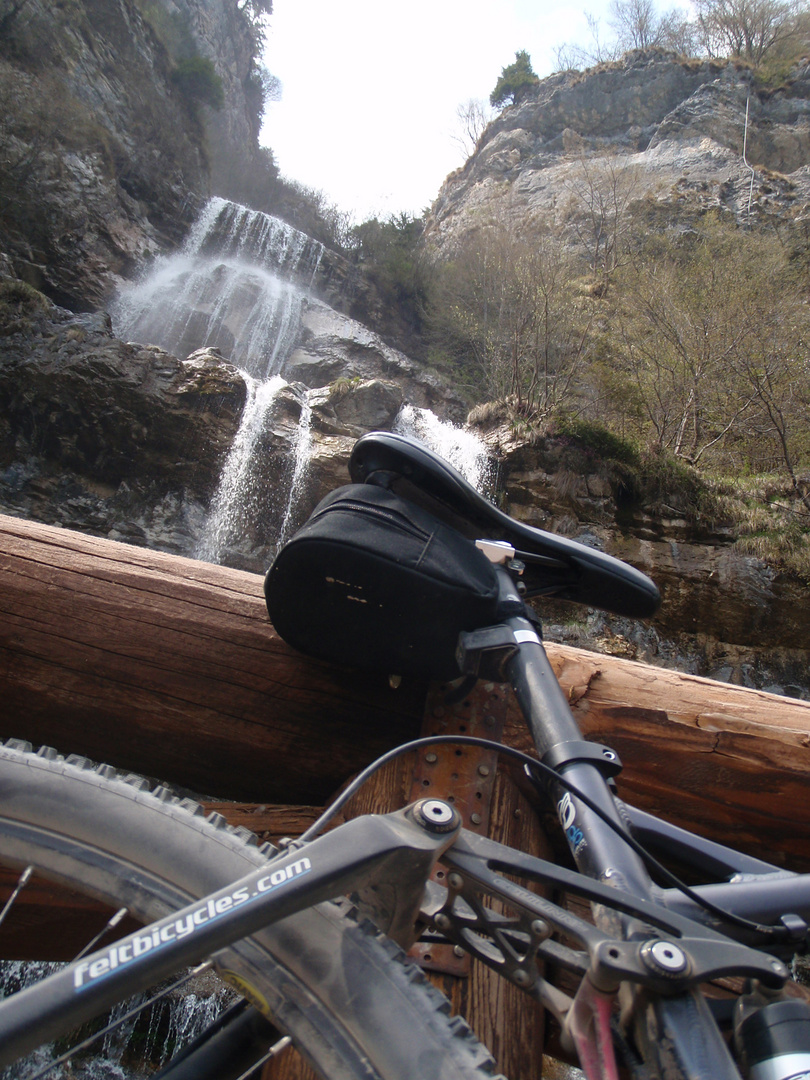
(107, 160)
(128, 441)
(724, 614)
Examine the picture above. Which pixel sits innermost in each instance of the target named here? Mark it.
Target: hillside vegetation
(677, 352)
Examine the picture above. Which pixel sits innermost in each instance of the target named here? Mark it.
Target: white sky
(371, 88)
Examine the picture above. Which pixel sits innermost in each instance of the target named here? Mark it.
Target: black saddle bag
(376, 582)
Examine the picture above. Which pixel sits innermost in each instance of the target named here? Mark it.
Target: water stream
(240, 492)
(135, 1049)
(460, 447)
(239, 285)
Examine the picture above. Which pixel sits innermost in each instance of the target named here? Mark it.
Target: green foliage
(515, 81)
(509, 307)
(197, 80)
(391, 256)
(342, 386)
(596, 438)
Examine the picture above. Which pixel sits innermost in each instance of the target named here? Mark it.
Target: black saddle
(555, 566)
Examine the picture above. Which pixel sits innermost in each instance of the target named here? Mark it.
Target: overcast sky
(370, 88)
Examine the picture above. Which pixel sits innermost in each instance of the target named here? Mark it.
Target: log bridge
(169, 667)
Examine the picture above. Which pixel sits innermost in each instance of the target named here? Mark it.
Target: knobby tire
(351, 1002)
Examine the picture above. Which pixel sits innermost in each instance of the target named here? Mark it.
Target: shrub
(197, 80)
(592, 437)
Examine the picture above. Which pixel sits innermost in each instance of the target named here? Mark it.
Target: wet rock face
(332, 346)
(128, 441)
(95, 432)
(106, 159)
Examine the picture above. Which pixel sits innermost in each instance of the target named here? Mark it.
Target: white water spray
(459, 446)
(240, 490)
(301, 458)
(238, 285)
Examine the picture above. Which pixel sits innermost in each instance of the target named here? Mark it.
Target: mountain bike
(410, 571)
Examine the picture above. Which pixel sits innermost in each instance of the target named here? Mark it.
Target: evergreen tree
(515, 80)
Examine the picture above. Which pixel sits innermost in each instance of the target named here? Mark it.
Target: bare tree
(509, 302)
(636, 25)
(472, 116)
(746, 28)
(676, 31)
(714, 337)
(635, 22)
(601, 192)
(572, 56)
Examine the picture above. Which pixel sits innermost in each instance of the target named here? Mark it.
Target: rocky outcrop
(672, 128)
(128, 441)
(334, 346)
(122, 440)
(724, 614)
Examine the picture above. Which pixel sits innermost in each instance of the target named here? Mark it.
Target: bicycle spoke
(274, 1051)
(133, 1012)
(23, 880)
(112, 922)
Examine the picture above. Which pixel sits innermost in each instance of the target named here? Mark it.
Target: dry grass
(770, 522)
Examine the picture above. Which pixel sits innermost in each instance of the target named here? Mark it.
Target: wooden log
(169, 667)
(726, 762)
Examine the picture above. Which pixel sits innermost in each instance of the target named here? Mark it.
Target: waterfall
(238, 285)
(228, 229)
(131, 1051)
(240, 491)
(301, 456)
(460, 447)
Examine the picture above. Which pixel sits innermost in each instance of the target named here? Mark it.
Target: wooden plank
(504, 1019)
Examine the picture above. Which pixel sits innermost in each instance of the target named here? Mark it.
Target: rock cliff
(107, 155)
(672, 129)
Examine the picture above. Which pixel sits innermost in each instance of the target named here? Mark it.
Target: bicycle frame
(652, 945)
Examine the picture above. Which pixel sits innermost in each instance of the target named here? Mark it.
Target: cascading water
(460, 447)
(132, 1050)
(239, 491)
(238, 285)
(301, 458)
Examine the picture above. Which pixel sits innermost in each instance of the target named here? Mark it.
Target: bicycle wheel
(344, 994)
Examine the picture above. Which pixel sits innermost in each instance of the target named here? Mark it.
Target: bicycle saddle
(555, 566)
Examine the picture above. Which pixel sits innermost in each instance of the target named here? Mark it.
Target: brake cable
(777, 933)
